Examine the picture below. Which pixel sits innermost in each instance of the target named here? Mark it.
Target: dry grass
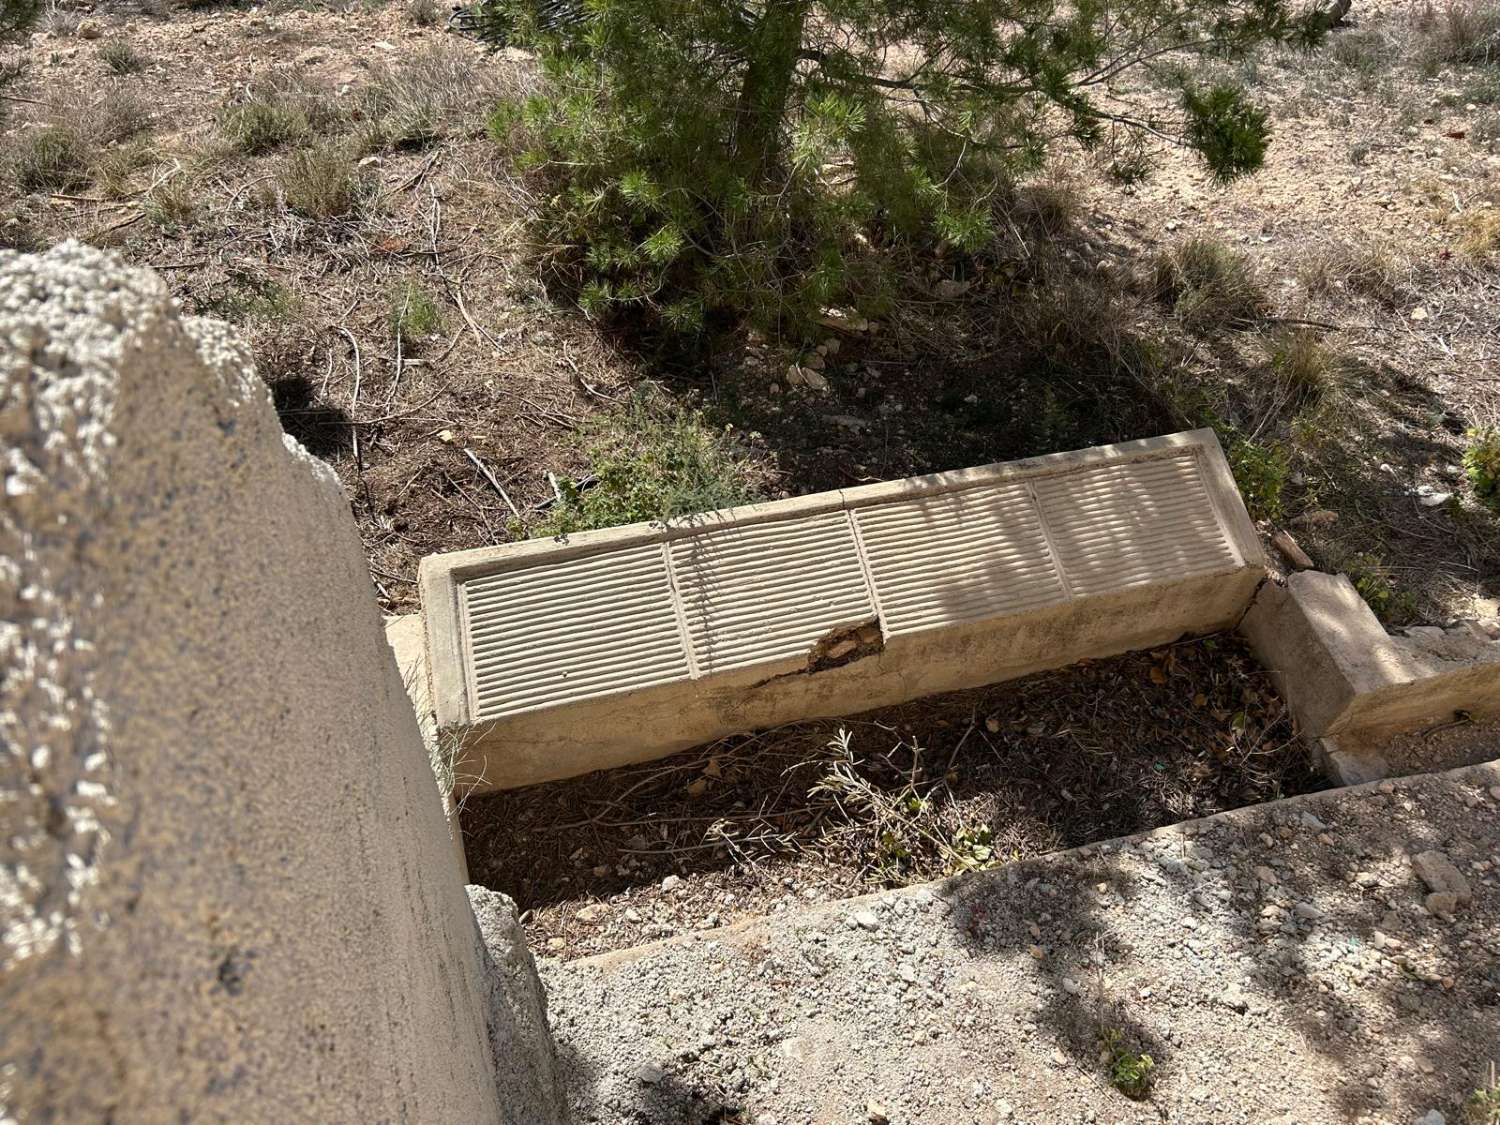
(424, 13)
(1303, 368)
(322, 183)
(173, 203)
(51, 158)
(1461, 33)
(438, 92)
(1209, 285)
(1359, 269)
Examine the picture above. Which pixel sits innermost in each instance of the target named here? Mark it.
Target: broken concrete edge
(409, 645)
(1349, 684)
(606, 732)
(956, 888)
(441, 577)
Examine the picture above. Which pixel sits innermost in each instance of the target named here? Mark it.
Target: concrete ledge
(563, 656)
(1348, 682)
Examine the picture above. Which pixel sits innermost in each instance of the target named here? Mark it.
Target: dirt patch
(814, 811)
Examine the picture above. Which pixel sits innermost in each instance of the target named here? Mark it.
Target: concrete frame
(1351, 685)
(1149, 540)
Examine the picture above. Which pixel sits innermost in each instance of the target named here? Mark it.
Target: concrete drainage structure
(1351, 685)
(556, 657)
(228, 889)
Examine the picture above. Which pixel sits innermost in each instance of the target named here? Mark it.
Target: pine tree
(704, 159)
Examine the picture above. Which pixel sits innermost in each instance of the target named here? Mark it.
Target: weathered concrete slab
(227, 891)
(1346, 679)
(604, 648)
(1290, 962)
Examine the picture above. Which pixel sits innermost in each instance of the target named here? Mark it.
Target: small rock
(650, 1074)
(1441, 904)
(671, 882)
(1434, 499)
(1036, 951)
(592, 912)
(1431, 1117)
(1266, 875)
(1310, 821)
(1071, 986)
(876, 1113)
(1308, 912)
(866, 920)
(1004, 1111)
(1437, 871)
(814, 380)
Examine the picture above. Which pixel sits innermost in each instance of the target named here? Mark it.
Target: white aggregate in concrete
(226, 887)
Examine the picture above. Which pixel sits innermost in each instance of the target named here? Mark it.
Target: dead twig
(494, 483)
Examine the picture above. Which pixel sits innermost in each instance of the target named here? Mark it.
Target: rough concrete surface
(1344, 676)
(516, 1014)
(226, 887)
(1310, 960)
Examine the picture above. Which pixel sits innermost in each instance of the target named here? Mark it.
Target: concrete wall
(227, 891)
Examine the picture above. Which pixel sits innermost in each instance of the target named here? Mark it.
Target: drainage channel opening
(827, 809)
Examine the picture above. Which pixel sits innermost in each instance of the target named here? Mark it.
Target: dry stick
(495, 484)
(354, 405)
(479, 333)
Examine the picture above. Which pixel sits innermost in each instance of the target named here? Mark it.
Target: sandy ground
(1277, 963)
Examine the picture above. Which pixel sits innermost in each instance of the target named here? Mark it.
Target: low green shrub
(1482, 465)
(653, 460)
(120, 58)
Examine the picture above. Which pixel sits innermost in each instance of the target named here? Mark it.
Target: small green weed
(655, 460)
(121, 58)
(1482, 465)
(972, 849)
(247, 297)
(1261, 471)
(1483, 1105)
(1131, 1072)
(414, 315)
(1372, 578)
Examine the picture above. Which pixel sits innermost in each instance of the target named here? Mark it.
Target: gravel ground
(1278, 963)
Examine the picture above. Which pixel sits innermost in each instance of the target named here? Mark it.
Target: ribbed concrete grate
(728, 602)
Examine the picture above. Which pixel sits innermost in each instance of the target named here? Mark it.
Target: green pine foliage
(706, 159)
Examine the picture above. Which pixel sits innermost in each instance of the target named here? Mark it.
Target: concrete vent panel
(769, 591)
(556, 657)
(558, 632)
